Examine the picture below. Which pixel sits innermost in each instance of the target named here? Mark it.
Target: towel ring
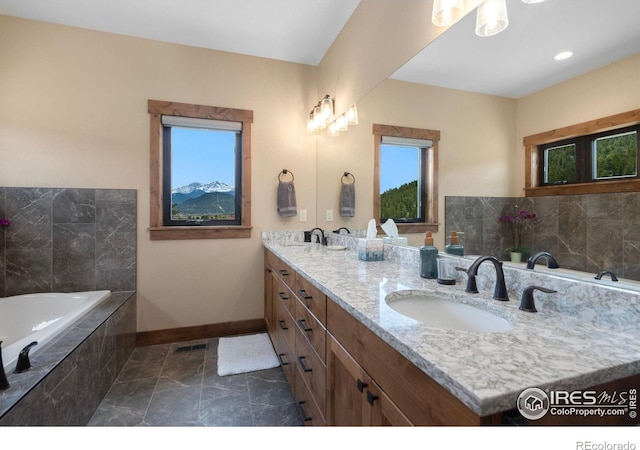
(284, 172)
(346, 175)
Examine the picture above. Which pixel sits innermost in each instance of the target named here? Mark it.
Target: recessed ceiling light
(532, 1)
(563, 55)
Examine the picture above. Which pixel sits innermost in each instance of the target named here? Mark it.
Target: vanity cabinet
(354, 397)
(295, 315)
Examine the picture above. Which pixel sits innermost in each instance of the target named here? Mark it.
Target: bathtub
(40, 317)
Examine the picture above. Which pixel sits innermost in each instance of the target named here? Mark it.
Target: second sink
(432, 310)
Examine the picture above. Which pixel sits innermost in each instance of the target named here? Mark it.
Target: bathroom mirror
(478, 131)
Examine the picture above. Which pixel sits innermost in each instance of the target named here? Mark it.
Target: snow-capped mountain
(214, 186)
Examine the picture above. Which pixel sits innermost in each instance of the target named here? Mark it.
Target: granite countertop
(486, 371)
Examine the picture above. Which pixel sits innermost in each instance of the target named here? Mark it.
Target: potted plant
(516, 225)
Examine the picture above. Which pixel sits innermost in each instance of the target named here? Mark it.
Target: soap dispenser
(454, 247)
(428, 258)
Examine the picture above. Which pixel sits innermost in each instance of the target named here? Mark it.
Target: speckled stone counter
(582, 336)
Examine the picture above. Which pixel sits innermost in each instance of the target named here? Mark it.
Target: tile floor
(161, 387)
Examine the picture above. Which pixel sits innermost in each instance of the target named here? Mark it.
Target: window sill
(198, 232)
(408, 228)
(602, 187)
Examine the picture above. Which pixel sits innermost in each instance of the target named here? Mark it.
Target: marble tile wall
(589, 233)
(64, 239)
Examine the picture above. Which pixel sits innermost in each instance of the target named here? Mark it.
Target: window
(595, 157)
(200, 171)
(405, 178)
(592, 157)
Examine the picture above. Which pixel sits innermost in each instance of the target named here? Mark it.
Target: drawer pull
(284, 272)
(282, 361)
(283, 325)
(303, 325)
(303, 365)
(361, 385)
(371, 397)
(283, 296)
(304, 294)
(303, 413)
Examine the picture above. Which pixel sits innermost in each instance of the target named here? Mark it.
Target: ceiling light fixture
(532, 1)
(563, 55)
(447, 12)
(491, 18)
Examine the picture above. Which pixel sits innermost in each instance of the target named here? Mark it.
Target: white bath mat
(242, 354)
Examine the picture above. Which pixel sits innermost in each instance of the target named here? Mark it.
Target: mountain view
(215, 200)
(400, 202)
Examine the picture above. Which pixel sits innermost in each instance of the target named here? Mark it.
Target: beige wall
(73, 113)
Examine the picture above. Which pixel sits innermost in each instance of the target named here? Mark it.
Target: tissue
(393, 238)
(370, 248)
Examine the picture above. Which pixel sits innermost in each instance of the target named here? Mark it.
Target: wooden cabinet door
(346, 387)
(269, 315)
(383, 411)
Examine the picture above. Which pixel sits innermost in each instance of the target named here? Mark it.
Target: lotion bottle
(428, 258)
(454, 247)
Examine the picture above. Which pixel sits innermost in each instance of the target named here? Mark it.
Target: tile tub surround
(581, 337)
(67, 240)
(72, 374)
(590, 233)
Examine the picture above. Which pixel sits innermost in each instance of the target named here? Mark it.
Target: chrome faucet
(551, 262)
(500, 292)
(322, 237)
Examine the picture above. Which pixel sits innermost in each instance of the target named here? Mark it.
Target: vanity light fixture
(491, 18)
(352, 115)
(447, 12)
(321, 115)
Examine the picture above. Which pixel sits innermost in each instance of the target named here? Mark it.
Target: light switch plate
(329, 215)
(303, 215)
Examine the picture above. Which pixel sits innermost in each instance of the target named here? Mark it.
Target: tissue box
(370, 249)
(396, 241)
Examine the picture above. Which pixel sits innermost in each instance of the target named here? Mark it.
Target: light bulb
(447, 12)
(491, 18)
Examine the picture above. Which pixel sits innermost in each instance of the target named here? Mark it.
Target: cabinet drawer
(308, 408)
(312, 370)
(284, 271)
(284, 296)
(312, 330)
(285, 325)
(312, 298)
(287, 361)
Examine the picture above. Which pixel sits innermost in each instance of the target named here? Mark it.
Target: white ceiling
(298, 31)
(519, 61)
(514, 63)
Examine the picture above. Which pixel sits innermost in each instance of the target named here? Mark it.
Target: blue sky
(398, 165)
(202, 156)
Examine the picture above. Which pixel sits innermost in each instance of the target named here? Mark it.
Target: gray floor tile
(161, 387)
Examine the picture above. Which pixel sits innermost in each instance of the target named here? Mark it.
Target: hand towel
(286, 199)
(348, 200)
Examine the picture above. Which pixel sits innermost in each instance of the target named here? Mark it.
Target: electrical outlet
(329, 215)
(303, 215)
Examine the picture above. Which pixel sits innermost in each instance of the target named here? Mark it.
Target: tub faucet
(606, 272)
(551, 262)
(500, 291)
(322, 238)
(23, 359)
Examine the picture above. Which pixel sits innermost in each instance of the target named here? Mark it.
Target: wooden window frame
(533, 159)
(430, 175)
(157, 230)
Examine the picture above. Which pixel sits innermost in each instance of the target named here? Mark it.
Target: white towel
(287, 199)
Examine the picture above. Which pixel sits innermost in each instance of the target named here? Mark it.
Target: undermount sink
(435, 311)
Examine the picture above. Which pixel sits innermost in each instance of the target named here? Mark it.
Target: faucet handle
(23, 359)
(527, 303)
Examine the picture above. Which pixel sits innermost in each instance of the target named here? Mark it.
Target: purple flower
(516, 226)
(5, 222)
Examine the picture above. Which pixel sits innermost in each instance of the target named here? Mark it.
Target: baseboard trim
(166, 336)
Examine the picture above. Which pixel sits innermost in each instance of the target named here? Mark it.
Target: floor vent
(190, 348)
